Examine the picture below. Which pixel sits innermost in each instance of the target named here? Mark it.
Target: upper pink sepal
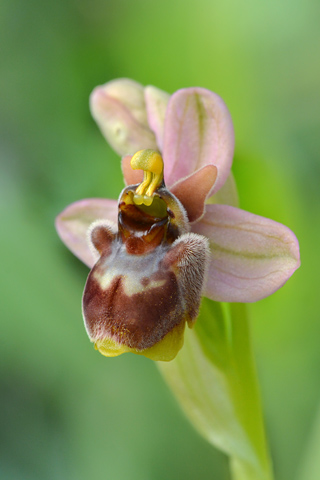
(156, 104)
(198, 132)
(251, 256)
(73, 223)
(193, 191)
(120, 111)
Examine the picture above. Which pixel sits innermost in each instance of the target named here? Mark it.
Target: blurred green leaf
(214, 380)
(310, 464)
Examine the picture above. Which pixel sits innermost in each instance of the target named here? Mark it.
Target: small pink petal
(131, 177)
(198, 132)
(193, 191)
(156, 103)
(120, 111)
(72, 224)
(251, 256)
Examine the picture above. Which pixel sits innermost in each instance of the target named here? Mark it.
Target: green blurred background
(66, 411)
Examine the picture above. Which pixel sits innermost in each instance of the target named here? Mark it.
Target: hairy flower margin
(250, 256)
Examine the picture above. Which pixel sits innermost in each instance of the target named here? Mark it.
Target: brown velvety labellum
(139, 320)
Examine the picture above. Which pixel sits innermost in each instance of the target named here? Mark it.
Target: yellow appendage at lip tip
(164, 351)
(150, 161)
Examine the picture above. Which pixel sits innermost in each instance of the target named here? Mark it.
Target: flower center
(148, 214)
(150, 161)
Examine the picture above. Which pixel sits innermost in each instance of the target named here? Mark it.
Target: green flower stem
(246, 395)
(214, 380)
(310, 466)
(244, 471)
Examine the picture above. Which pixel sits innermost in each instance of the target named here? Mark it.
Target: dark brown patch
(137, 222)
(151, 236)
(141, 232)
(145, 281)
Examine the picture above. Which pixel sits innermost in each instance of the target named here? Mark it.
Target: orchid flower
(221, 251)
(176, 234)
